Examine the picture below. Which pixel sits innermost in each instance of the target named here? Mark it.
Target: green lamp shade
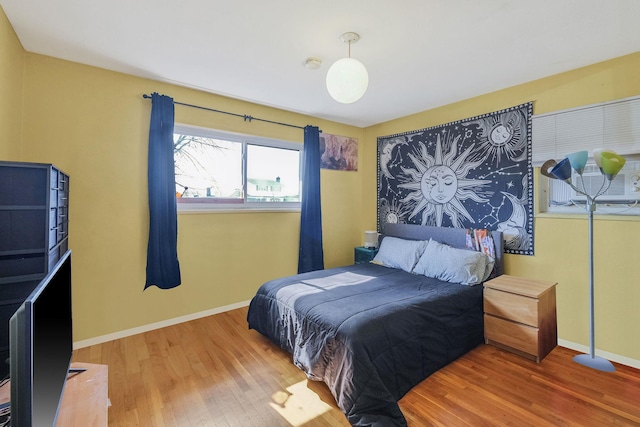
(578, 160)
(562, 170)
(611, 163)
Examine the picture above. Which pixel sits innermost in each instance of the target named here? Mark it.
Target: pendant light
(347, 78)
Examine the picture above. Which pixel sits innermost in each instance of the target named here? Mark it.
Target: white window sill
(597, 215)
(199, 208)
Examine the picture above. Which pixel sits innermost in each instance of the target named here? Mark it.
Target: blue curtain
(163, 269)
(311, 256)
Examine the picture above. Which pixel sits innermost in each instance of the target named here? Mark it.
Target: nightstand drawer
(511, 306)
(514, 335)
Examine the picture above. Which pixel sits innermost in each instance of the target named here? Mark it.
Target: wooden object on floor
(214, 371)
(520, 315)
(85, 399)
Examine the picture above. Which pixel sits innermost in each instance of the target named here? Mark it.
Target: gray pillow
(464, 266)
(399, 253)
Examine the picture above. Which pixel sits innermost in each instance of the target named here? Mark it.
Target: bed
(372, 332)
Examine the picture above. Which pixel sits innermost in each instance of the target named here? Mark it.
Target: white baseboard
(157, 325)
(609, 356)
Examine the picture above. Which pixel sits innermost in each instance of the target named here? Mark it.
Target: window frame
(188, 204)
(604, 206)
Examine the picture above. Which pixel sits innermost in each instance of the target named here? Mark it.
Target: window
(219, 170)
(612, 125)
(620, 197)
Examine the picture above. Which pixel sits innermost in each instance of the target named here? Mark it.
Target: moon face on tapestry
(473, 173)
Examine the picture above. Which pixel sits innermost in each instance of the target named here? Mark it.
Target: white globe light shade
(347, 80)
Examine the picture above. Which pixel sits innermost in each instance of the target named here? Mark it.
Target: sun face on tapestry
(475, 173)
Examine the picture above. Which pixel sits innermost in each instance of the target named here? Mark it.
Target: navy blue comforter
(371, 333)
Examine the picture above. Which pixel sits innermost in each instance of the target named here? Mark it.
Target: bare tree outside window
(207, 167)
(216, 170)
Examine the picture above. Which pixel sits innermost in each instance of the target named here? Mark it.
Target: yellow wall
(11, 58)
(93, 124)
(561, 252)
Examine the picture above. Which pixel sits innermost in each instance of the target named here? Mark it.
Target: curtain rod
(245, 117)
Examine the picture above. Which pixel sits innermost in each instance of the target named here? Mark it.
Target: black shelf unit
(34, 219)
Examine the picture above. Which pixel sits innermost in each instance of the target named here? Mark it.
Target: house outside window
(224, 171)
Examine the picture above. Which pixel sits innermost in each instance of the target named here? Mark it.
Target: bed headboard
(455, 237)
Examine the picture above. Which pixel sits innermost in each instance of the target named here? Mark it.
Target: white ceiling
(420, 54)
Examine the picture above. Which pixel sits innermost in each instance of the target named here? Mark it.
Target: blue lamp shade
(578, 160)
(562, 170)
(611, 164)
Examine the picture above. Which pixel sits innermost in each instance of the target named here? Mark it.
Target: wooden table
(85, 400)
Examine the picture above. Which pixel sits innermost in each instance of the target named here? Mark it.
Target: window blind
(613, 125)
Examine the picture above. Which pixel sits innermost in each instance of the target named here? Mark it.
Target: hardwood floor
(215, 372)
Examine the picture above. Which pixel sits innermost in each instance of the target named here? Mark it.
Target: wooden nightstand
(520, 315)
(363, 255)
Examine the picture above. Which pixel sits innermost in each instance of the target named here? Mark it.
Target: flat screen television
(40, 349)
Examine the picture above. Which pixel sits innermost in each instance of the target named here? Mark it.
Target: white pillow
(399, 253)
(464, 266)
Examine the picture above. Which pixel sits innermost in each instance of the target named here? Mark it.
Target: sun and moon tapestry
(473, 173)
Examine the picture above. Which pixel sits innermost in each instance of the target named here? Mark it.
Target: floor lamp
(610, 164)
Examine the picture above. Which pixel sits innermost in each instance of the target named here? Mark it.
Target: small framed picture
(338, 152)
